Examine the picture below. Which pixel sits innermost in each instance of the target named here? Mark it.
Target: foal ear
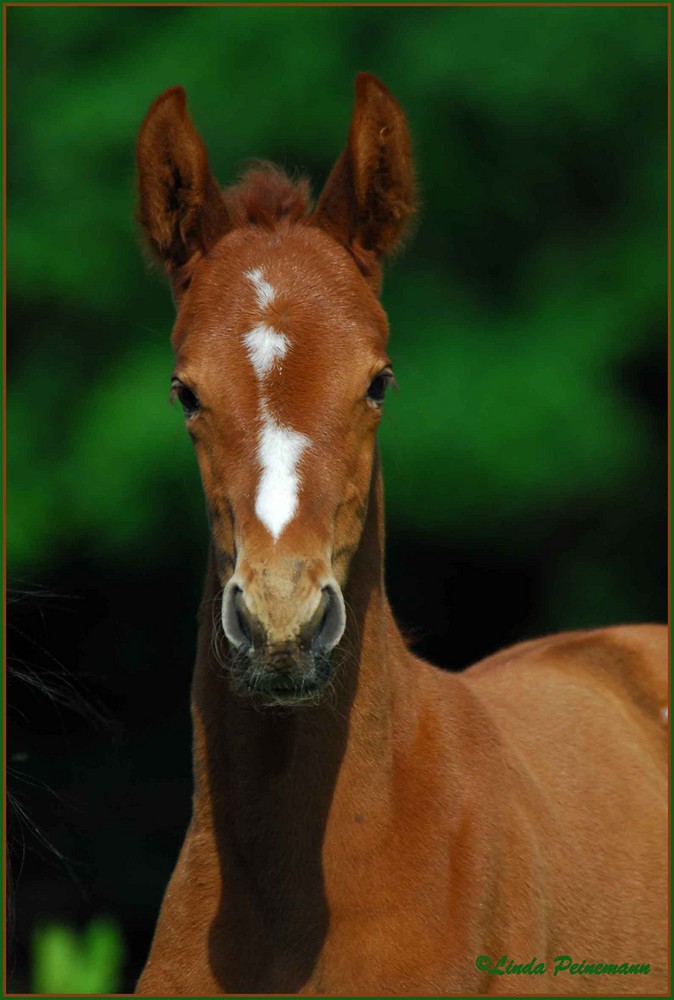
(369, 197)
(180, 207)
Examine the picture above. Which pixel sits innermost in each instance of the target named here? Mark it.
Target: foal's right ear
(180, 207)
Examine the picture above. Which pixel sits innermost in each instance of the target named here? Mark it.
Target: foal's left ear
(369, 197)
(181, 207)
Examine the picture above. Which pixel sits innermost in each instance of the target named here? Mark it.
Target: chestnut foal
(363, 822)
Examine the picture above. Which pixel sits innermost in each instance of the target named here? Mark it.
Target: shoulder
(632, 660)
(649, 639)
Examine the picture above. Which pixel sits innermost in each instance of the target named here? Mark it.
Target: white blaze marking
(265, 345)
(279, 452)
(263, 290)
(279, 448)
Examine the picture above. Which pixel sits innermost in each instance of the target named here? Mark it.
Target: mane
(265, 195)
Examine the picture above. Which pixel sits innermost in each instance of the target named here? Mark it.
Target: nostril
(235, 621)
(332, 624)
(241, 617)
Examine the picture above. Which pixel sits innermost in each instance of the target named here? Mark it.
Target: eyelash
(187, 398)
(378, 386)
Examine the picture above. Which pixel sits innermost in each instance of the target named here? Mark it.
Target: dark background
(524, 457)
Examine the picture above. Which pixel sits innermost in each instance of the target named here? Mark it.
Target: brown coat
(405, 827)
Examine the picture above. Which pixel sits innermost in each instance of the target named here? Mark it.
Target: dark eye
(187, 399)
(378, 387)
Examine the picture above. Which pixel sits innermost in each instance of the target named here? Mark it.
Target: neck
(279, 791)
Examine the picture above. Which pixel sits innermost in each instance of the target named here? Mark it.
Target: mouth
(295, 684)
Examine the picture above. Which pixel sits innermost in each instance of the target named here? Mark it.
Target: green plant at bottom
(66, 961)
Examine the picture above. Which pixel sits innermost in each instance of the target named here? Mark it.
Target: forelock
(265, 196)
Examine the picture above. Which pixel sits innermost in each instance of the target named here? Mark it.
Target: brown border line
(4, 495)
(610, 3)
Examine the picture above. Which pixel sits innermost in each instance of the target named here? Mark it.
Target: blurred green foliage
(65, 962)
(538, 267)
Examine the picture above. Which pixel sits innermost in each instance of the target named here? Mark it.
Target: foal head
(281, 368)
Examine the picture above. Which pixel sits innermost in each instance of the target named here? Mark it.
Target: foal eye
(187, 399)
(378, 387)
